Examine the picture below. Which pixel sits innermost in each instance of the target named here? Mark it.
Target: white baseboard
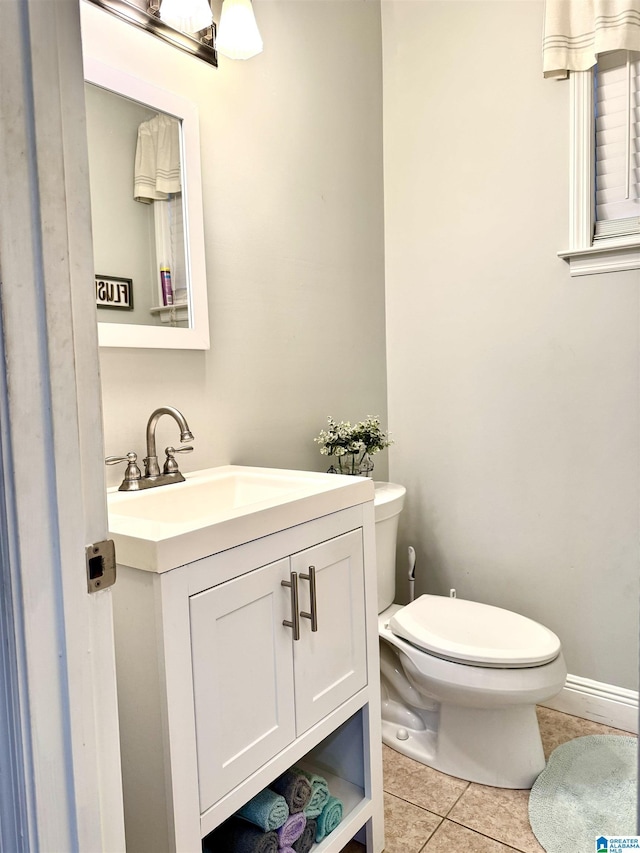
(601, 703)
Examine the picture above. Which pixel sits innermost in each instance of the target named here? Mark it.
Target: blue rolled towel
(307, 839)
(294, 786)
(267, 810)
(238, 836)
(319, 793)
(329, 818)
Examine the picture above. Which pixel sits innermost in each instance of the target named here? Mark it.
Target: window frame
(608, 255)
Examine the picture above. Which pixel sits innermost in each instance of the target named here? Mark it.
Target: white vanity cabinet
(217, 697)
(256, 688)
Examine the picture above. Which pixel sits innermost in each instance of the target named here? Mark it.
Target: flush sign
(114, 292)
(101, 565)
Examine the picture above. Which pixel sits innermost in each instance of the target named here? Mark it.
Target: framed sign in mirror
(114, 292)
(146, 208)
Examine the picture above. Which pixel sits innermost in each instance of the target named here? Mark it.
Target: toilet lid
(474, 633)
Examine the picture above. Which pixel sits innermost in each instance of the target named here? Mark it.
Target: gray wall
(293, 209)
(513, 388)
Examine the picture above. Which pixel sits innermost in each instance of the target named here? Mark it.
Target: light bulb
(188, 16)
(238, 36)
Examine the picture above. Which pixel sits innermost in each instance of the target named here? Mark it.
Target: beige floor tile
(557, 728)
(452, 837)
(420, 785)
(480, 818)
(406, 827)
(500, 813)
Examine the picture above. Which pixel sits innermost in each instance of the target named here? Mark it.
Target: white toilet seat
(474, 634)
(471, 685)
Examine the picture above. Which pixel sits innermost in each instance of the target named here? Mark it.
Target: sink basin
(219, 508)
(208, 496)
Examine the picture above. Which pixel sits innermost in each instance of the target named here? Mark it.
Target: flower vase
(357, 464)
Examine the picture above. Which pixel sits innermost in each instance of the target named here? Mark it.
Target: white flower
(342, 438)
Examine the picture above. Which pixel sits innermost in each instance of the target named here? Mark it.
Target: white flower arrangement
(360, 440)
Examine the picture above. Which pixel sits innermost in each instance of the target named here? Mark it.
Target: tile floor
(429, 812)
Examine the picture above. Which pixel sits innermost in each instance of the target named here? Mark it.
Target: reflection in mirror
(137, 211)
(146, 207)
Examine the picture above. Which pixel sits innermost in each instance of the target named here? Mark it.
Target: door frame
(57, 677)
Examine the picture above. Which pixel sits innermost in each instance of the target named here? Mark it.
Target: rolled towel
(267, 810)
(286, 850)
(238, 836)
(307, 839)
(329, 818)
(294, 786)
(292, 829)
(319, 793)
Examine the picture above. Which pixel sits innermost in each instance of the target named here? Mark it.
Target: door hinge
(101, 565)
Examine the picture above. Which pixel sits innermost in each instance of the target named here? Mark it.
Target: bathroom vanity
(223, 682)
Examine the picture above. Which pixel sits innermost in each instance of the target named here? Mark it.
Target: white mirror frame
(156, 337)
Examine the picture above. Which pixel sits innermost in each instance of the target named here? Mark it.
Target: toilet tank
(388, 503)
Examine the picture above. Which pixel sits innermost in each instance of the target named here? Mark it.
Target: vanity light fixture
(238, 36)
(188, 16)
(146, 16)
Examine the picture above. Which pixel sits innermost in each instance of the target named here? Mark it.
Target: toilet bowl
(460, 680)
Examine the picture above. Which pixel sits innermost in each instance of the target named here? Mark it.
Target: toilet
(460, 680)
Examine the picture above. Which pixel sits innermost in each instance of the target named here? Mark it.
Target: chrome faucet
(133, 479)
(151, 467)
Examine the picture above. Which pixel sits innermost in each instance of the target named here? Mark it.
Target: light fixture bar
(201, 46)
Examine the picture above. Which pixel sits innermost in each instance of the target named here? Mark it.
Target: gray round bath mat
(587, 789)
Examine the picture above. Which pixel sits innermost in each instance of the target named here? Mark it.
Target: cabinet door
(330, 665)
(243, 677)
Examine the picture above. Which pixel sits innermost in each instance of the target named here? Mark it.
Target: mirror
(138, 229)
(146, 202)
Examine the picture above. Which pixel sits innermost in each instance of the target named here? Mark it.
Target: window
(605, 180)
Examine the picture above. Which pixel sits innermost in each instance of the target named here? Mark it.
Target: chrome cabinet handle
(311, 577)
(294, 622)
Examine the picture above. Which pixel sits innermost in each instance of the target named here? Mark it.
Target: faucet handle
(132, 473)
(170, 464)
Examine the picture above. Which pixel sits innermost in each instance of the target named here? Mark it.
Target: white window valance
(576, 31)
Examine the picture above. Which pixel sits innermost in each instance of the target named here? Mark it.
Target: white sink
(218, 508)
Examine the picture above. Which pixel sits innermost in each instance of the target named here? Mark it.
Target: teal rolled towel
(329, 818)
(319, 793)
(267, 810)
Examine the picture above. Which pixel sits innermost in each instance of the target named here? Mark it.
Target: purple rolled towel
(238, 836)
(294, 786)
(292, 829)
(286, 850)
(307, 839)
